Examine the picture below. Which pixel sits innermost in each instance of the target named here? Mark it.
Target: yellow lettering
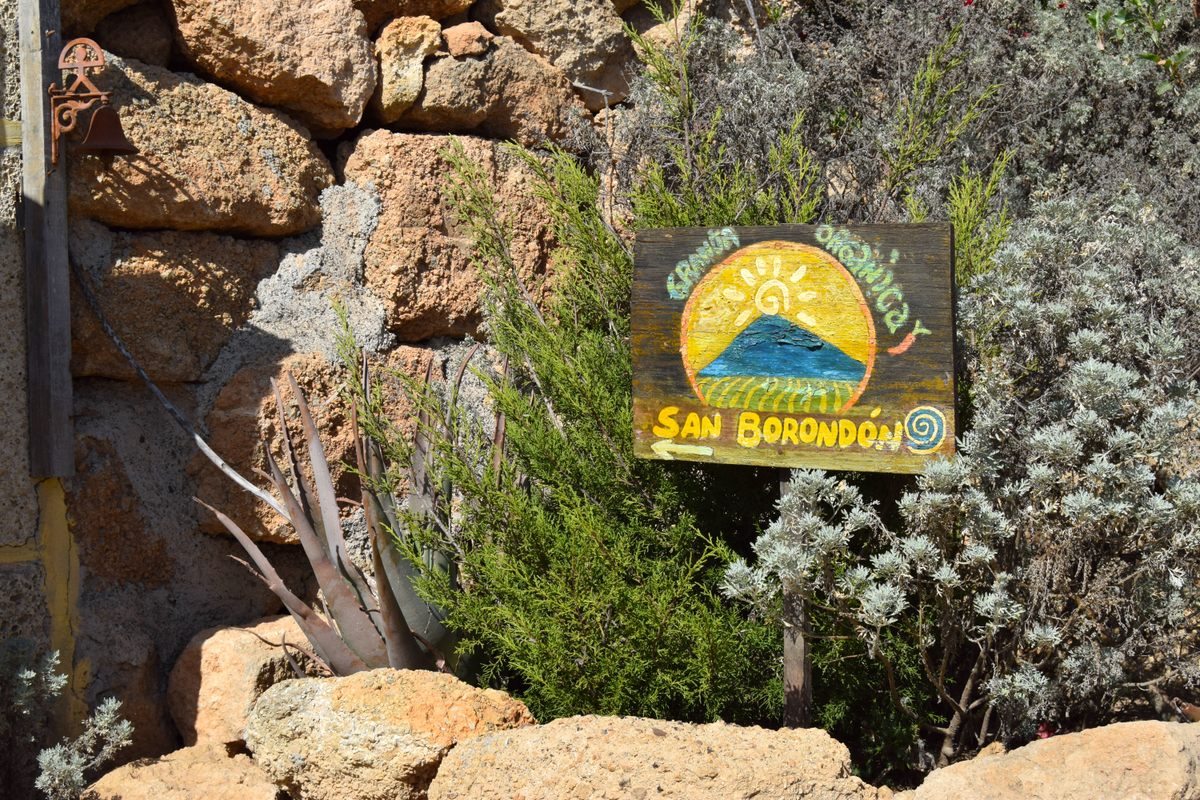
(866, 435)
(772, 429)
(889, 439)
(847, 432)
(808, 430)
(828, 434)
(790, 427)
(666, 428)
(691, 427)
(710, 427)
(748, 433)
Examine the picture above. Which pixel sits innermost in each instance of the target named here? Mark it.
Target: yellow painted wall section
(60, 562)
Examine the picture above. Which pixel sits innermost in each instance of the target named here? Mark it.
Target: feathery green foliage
(926, 122)
(585, 582)
(981, 220)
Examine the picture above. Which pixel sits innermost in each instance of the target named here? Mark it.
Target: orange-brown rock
(142, 32)
(584, 38)
(378, 12)
(222, 671)
(376, 735)
(243, 416)
(175, 298)
(312, 58)
(116, 544)
(467, 39)
(401, 48)
(1132, 760)
(205, 772)
(418, 259)
(507, 92)
(80, 16)
(209, 160)
(628, 757)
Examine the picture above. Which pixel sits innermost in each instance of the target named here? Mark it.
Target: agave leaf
(354, 623)
(323, 638)
(307, 496)
(425, 620)
(402, 649)
(327, 500)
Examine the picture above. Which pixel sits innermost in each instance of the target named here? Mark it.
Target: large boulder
(584, 38)
(629, 757)
(175, 298)
(209, 160)
(377, 735)
(243, 422)
(402, 47)
(205, 772)
(418, 259)
(505, 92)
(224, 670)
(378, 12)
(312, 58)
(1129, 760)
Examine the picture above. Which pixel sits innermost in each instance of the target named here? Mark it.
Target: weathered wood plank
(47, 289)
(795, 345)
(10, 133)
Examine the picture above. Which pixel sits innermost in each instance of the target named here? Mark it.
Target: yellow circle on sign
(779, 327)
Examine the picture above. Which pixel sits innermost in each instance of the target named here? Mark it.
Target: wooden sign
(795, 345)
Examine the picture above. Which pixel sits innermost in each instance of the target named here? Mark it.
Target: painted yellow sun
(810, 297)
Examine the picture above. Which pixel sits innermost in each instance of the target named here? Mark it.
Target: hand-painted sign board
(795, 345)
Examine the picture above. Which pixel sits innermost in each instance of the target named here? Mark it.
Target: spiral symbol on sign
(769, 303)
(924, 429)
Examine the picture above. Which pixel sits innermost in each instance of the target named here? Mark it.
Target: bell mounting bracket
(77, 57)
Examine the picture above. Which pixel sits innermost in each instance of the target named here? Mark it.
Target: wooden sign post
(795, 346)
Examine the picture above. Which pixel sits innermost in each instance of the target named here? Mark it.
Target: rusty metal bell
(104, 136)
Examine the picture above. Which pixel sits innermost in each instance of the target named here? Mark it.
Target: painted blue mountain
(773, 346)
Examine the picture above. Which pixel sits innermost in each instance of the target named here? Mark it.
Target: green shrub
(582, 577)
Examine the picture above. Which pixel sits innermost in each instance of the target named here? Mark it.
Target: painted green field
(781, 395)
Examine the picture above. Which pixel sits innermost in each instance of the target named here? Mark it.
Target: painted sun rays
(778, 326)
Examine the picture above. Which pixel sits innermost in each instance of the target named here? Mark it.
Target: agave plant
(364, 626)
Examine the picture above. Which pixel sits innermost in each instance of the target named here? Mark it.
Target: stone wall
(291, 157)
